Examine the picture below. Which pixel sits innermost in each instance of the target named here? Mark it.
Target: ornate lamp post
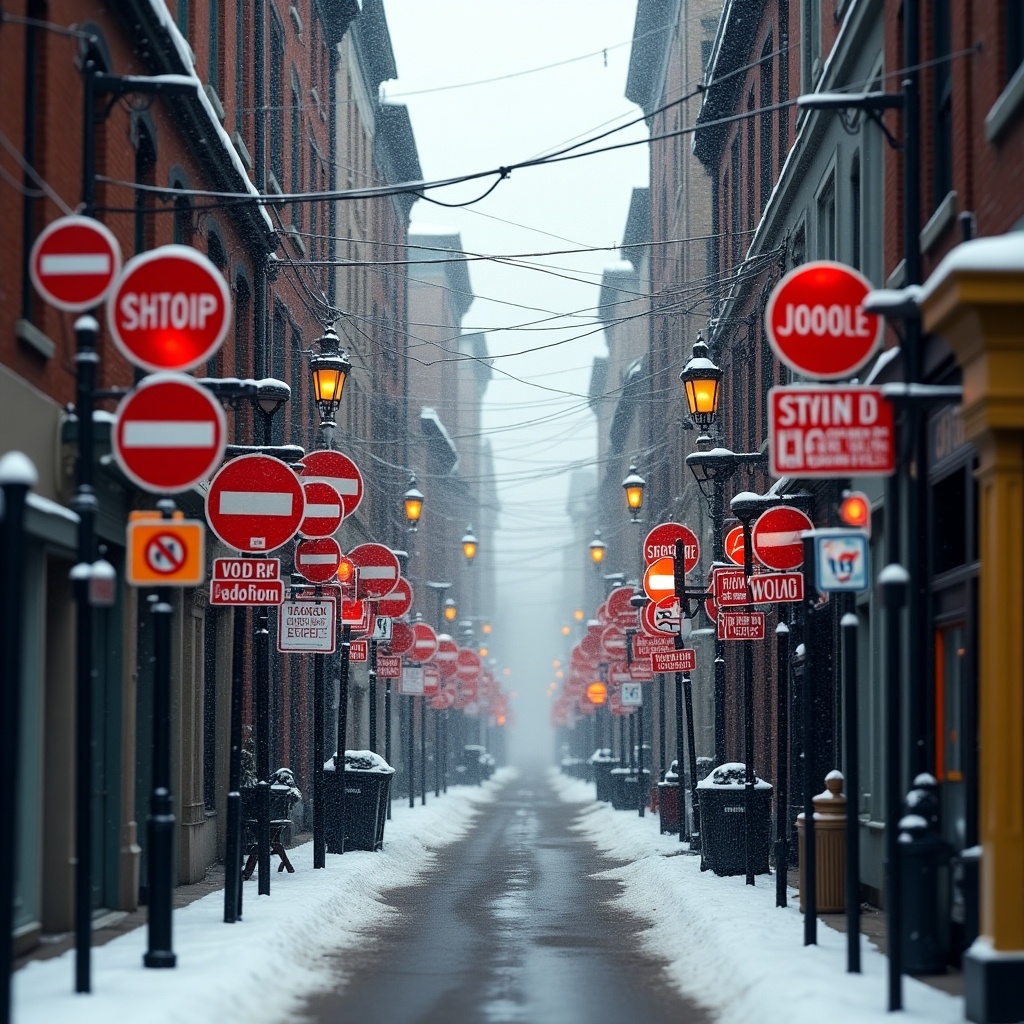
(413, 502)
(634, 485)
(597, 549)
(469, 545)
(329, 369)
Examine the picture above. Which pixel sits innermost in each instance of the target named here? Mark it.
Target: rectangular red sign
(740, 625)
(641, 670)
(644, 644)
(355, 613)
(359, 650)
(246, 592)
(765, 588)
(684, 660)
(830, 431)
(389, 666)
(247, 568)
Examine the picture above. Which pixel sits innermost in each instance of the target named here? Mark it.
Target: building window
(767, 121)
(213, 58)
(812, 42)
(182, 215)
(314, 217)
(277, 101)
(751, 179)
(827, 220)
(277, 364)
(734, 199)
(296, 148)
(942, 115)
(241, 42)
(145, 162)
(1014, 37)
(182, 17)
(855, 213)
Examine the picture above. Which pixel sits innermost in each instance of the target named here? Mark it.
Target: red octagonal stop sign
(815, 322)
(170, 309)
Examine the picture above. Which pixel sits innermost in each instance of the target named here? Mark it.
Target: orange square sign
(166, 553)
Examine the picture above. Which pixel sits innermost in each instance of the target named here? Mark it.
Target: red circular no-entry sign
(317, 559)
(398, 602)
(775, 537)
(170, 309)
(447, 650)
(377, 570)
(73, 263)
(815, 322)
(170, 433)
(337, 470)
(733, 544)
(402, 638)
(661, 543)
(255, 503)
(324, 510)
(467, 665)
(619, 609)
(424, 643)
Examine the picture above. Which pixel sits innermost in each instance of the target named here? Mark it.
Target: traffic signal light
(855, 511)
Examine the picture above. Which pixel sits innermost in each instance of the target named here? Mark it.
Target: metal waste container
(367, 786)
(723, 821)
(602, 762)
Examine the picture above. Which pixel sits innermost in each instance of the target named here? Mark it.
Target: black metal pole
(718, 529)
(319, 838)
(851, 738)
(810, 887)
(160, 823)
(17, 475)
(233, 839)
(661, 726)
(341, 739)
(631, 729)
(640, 785)
(748, 715)
(387, 736)
(444, 751)
(411, 749)
(423, 751)
(437, 752)
(893, 581)
(691, 746)
(680, 774)
(782, 783)
(261, 652)
(372, 694)
(86, 505)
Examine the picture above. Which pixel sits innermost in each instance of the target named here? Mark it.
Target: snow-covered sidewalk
(728, 946)
(259, 968)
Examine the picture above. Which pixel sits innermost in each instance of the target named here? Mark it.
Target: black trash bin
(723, 821)
(668, 801)
(472, 771)
(367, 786)
(625, 783)
(602, 762)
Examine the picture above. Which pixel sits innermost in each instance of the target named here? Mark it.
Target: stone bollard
(830, 846)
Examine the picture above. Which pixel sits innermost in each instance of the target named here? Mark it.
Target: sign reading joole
(816, 324)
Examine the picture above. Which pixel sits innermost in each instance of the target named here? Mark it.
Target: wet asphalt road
(507, 927)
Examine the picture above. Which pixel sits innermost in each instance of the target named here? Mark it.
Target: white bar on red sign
(684, 660)
(377, 572)
(168, 434)
(343, 485)
(255, 503)
(242, 592)
(359, 650)
(66, 265)
(311, 558)
(246, 568)
(319, 510)
(740, 625)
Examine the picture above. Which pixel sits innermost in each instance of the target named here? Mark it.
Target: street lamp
(451, 610)
(634, 485)
(701, 378)
(413, 501)
(597, 548)
(329, 369)
(469, 545)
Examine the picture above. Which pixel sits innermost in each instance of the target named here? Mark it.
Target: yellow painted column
(975, 300)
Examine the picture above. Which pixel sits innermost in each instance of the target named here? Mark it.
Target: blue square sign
(842, 561)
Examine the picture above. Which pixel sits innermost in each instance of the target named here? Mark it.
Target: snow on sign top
(816, 324)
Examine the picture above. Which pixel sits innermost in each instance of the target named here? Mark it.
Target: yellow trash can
(830, 846)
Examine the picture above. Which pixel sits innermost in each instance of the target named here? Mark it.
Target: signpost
(166, 553)
(830, 432)
(246, 581)
(324, 510)
(732, 588)
(660, 618)
(317, 559)
(733, 544)
(170, 309)
(842, 561)
(815, 322)
(169, 434)
(660, 579)
(447, 652)
(255, 503)
(398, 602)
(424, 644)
(660, 544)
(339, 471)
(740, 625)
(307, 625)
(619, 609)
(74, 262)
(775, 537)
(682, 660)
(377, 570)
(631, 694)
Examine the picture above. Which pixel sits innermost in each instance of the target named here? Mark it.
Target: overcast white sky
(536, 433)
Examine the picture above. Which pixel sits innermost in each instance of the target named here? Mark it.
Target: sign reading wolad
(307, 625)
(842, 561)
(830, 432)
